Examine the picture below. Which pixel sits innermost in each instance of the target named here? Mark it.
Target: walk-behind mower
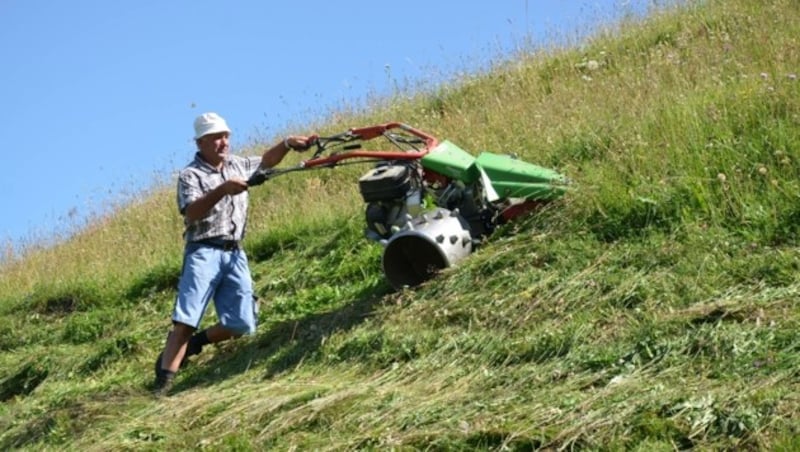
(429, 203)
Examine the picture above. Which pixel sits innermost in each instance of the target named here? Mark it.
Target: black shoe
(164, 379)
(163, 385)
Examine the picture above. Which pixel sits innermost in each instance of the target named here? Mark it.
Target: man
(213, 199)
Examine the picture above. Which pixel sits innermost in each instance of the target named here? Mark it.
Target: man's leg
(235, 304)
(176, 347)
(216, 333)
(199, 277)
(181, 344)
(171, 358)
(211, 335)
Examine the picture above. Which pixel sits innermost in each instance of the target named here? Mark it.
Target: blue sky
(98, 96)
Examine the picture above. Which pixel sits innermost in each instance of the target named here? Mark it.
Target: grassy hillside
(655, 308)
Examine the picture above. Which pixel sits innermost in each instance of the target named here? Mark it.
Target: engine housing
(393, 193)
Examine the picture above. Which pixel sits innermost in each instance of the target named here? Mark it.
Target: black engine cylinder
(385, 183)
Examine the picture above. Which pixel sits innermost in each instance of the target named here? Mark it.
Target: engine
(426, 222)
(396, 193)
(393, 193)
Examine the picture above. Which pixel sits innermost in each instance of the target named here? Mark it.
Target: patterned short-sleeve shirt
(227, 219)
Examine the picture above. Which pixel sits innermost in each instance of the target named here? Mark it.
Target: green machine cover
(510, 177)
(513, 178)
(450, 160)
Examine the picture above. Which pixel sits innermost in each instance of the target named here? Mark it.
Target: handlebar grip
(310, 141)
(260, 176)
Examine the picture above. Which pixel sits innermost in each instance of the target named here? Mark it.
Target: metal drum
(428, 243)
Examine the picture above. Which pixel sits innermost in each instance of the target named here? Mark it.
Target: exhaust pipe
(427, 244)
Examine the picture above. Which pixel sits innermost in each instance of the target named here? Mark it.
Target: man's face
(214, 147)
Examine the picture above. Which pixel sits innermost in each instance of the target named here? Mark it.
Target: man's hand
(200, 207)
(276, 153)
(234, 186)
(299, 142)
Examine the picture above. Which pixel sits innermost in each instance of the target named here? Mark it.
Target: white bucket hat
(209, 123)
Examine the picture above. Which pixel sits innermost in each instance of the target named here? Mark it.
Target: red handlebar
(372, 132)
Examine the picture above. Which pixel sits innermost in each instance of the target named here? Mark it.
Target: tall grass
(651, 309)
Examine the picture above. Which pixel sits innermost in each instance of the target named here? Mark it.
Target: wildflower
(762, 170)
(592, 65)
(721, 177)
(764, 76)
(792, 77)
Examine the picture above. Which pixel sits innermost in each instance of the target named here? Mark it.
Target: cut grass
(653, 308)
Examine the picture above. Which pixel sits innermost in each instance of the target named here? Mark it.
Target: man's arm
(276, 153)
(200, 206)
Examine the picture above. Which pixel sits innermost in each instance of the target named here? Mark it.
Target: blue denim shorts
(224, 276)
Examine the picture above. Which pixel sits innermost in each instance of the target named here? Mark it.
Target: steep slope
(653, 309)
